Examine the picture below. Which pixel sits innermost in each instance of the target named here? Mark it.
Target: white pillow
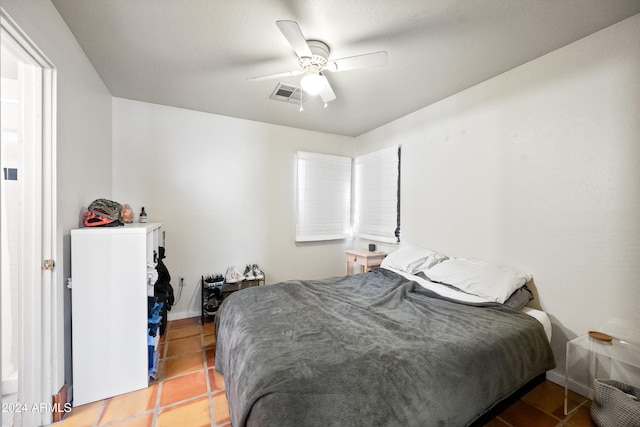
(412, 259)
(478, 278)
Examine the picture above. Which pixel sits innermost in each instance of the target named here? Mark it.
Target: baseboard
(177, 315)
(559, 378)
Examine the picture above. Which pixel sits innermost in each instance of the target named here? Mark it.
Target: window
(377, 195)
(323, 205)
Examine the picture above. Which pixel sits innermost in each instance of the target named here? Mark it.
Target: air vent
(288, 93)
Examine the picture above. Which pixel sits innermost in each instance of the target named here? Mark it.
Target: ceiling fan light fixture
(313, 58)
(313, 82)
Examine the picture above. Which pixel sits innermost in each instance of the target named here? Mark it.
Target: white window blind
(323, 210)
(377, 195)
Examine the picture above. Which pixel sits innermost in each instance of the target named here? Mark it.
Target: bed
(389, 347)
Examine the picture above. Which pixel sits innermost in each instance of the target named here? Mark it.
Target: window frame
(315, 198)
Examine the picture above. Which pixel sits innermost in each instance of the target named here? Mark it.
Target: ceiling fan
(313, 60)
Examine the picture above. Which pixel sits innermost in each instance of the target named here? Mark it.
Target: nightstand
(366, 259)
(595, 358)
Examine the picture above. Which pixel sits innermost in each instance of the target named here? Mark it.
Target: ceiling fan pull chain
(301, 98)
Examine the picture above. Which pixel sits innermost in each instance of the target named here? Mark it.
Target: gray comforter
(372, 349)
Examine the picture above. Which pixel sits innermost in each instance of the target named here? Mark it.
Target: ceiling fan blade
(277, 75)
(327, 93)
(294, 36)
(375, 59)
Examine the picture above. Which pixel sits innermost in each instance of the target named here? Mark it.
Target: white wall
(224, 189)
(83, 148)
(538, 169)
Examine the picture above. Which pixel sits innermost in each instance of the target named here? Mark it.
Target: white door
(27, 227)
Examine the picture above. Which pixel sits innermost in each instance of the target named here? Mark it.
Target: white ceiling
(198, 54)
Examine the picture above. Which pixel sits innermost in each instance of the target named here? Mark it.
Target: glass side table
(600, 355)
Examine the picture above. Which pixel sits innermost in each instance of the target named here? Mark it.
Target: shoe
(213, 280)
(233, 275)
(257, 273)
(249, 273)
(210, 307)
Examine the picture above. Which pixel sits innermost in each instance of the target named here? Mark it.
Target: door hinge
(48, 264)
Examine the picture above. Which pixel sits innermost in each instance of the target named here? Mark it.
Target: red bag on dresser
(103, 213)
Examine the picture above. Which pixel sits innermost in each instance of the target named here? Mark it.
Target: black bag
(163, 289)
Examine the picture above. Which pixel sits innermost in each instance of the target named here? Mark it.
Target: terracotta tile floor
(189, 392)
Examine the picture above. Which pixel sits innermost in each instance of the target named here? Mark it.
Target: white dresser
(109, 308)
